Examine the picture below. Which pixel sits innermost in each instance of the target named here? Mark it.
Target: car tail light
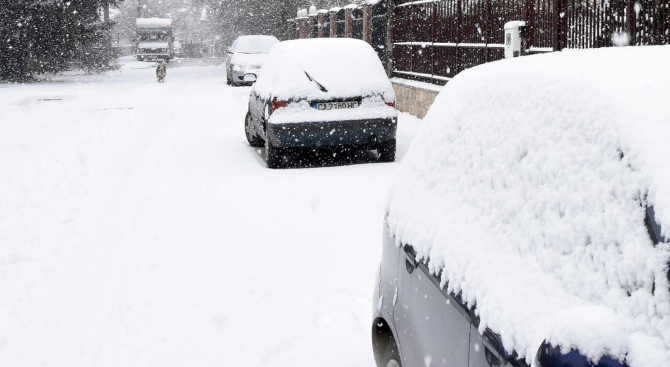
(277, 104)
(390, 104)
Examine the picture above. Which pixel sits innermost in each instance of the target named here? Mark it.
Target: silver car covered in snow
(247, 53)
(528, 224)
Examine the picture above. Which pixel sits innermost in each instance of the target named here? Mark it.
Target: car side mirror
(250, 77)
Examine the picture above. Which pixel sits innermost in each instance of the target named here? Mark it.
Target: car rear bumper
(369, 133)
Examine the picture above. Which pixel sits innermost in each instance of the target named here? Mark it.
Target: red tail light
(277, 104)
(390, 104)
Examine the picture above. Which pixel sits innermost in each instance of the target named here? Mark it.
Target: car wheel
(386, 151)
(229, 79)
(253, 138)
(391, 356)
(273, 155)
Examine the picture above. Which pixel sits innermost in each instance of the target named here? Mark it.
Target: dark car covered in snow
(529, 221)
(319, 93)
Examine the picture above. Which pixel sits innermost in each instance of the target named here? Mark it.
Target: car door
(229, 56)
(433, 327)
(253, 105)
(258, 112)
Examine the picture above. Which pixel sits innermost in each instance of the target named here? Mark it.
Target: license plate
(325, 106)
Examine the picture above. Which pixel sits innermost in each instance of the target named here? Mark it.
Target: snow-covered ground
(138, 228)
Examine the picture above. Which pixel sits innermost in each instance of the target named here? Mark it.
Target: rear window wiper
(323, 89)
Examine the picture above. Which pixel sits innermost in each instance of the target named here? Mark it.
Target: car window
(553, 356)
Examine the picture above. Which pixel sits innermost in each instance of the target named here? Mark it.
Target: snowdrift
(527, 185)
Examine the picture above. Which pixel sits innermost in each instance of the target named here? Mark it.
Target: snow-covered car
(246, 53)
(322, 93)
(529, 221)
(178, 49)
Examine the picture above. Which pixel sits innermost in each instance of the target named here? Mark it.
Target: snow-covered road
(138, 228)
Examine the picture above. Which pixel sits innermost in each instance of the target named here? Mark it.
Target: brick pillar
(348, 23)
(333, 25)
(303, 25)
(320, 20)
(367, 24)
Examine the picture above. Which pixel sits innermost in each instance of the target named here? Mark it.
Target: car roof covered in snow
(527, 187)
(254, 44)
(153, 45)
(153, 23)
(344, 67)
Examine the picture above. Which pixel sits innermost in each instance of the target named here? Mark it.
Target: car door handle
(493, 349)
(409, 266)
(410, 258)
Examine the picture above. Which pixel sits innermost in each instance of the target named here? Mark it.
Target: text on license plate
(324, 106)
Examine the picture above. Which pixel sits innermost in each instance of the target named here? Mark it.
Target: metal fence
(434, 40)
(379, 30)
(357, 23)
(341, 23)
(365, 22)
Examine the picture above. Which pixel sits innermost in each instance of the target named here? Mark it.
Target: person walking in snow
(161, 71)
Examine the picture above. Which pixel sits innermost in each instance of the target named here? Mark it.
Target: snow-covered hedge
(345, 67)
(527, 184)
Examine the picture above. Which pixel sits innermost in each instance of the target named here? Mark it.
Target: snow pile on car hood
(525, 186)
(344, 67)
(244, 62)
